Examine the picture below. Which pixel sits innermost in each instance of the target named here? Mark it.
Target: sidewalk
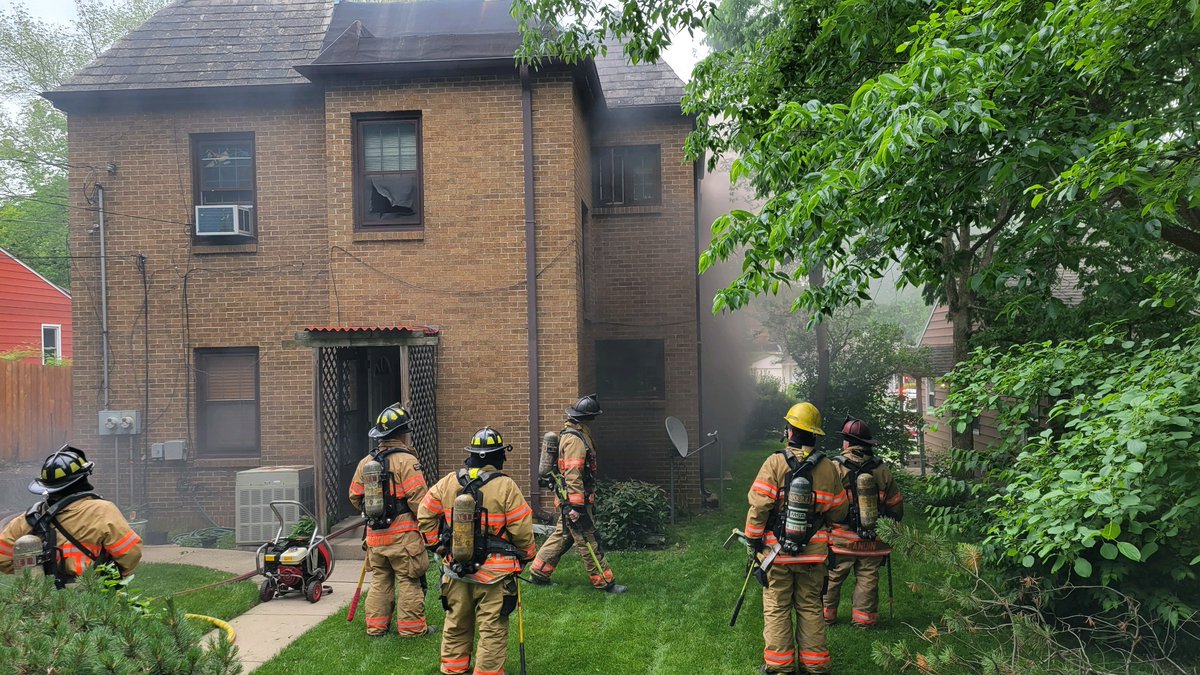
(264, 630)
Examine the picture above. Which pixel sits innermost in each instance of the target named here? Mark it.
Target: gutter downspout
(531, 305)
(103, 293)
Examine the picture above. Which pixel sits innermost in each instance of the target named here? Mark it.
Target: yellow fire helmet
(806, 417)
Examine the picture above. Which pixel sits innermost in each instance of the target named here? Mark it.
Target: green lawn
(159, 580)
(675, 618)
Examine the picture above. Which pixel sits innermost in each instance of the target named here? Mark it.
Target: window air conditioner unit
(257, 488)
(222, 221)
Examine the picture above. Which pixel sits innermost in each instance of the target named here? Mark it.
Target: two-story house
(315, 208)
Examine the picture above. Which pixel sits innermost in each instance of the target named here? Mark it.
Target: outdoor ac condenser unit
(222, 221)
(257, 488)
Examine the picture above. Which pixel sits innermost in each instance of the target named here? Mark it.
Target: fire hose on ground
(223, 625)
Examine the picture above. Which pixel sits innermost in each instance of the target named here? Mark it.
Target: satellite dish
(679, 435)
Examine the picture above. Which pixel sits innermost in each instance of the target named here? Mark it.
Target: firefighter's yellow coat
(96, 523)
(852, 553)
(479, 601)
(794, 581)
(396, 554)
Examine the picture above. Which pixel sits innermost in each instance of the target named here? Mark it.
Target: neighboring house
(35, 315)
(342, 205)
(775, 365)
(938, 339)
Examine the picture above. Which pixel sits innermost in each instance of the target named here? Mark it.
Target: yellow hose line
(216, 622)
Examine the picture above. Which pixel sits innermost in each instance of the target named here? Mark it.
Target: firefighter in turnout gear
(795, 497)
(854, 545)
(575, 496)
(387, 488)
(478, 522)
(71, 529)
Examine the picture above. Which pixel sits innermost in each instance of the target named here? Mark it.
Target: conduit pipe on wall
(531, 305)
(103, 292)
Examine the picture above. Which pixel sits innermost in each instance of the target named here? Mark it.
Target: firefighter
(71, 529)
(387, 488)
(794, 498)
(478, 522)
(854, 545)
(576, 526)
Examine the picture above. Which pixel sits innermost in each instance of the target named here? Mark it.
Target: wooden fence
(35, 409)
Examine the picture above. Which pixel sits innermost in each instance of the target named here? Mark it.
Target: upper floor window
(51, 342)
(930, 393)
(627, 175)
(227, 402)
(387, 171)
(224, 186)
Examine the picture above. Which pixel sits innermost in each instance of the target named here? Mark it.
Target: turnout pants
(397, 571)
(561, 540)
(866, 588)
(794, 588)
(471, 607)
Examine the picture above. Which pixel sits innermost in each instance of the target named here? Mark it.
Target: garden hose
(216, 622)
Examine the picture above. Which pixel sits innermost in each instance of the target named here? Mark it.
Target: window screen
(631, 369)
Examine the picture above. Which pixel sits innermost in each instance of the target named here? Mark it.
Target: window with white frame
(51, 342)
(930, 393)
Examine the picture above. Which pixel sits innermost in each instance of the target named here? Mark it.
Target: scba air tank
(868, 501)
(373, 489)
(548, 462)
(27, 554)
(462, 536)
(799, 513)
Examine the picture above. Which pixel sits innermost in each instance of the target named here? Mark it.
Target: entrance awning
(367, 336)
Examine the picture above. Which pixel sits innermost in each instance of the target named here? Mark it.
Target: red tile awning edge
(426, 330)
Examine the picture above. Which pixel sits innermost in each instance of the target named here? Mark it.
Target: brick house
(315, 209)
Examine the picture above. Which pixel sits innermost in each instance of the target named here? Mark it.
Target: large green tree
(36, 56)
(963, 142)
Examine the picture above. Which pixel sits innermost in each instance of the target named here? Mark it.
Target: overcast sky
(682, 55)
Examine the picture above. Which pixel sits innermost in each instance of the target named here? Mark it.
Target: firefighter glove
(756, 544)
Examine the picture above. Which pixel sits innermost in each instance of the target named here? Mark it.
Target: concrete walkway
(260, 633)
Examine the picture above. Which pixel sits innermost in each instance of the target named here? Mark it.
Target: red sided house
(35, 315)
(319, 208)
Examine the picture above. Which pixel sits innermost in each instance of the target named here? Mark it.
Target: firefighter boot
(614, 588)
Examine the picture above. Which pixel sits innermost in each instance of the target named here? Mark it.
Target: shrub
(766, 413)
(630, 514)
(1095, 480)
(90, 628)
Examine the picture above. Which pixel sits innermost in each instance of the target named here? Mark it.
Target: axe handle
(358, 591)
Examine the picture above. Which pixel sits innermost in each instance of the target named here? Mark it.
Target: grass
(675, 618)
(160, 580)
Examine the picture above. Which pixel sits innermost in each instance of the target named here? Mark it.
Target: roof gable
(14, 265)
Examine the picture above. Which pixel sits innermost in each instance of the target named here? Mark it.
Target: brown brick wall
(257, 299)
(642, 270)
(465, 272)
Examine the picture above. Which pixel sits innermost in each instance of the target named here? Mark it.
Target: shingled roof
(627, 85)
(212, 43)
(224, 43)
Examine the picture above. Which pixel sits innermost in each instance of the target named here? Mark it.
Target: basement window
(631, 369)
(627, 175)
(387, 172)
(227, 402)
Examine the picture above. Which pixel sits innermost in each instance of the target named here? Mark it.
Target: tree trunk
(820, 395)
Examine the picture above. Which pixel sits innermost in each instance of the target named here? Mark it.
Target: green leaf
(1027, 561)
(1136, 446)
(1083, 568)
(1111, 531)
(1108, 551)
(1070, 475)
(1129, 551)
(1037, 199)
